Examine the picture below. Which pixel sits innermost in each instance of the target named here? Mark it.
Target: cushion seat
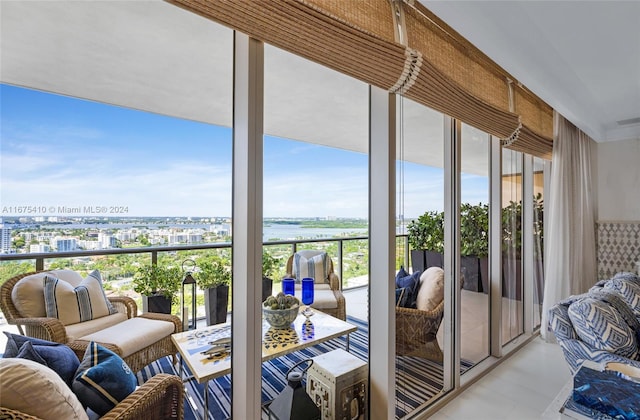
(75, 331)
(133, 334)
(323, 296)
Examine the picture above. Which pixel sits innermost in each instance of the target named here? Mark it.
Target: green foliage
(213, 272)
(474, 229)
(427, 232)
(149, 280)
(269, 264)
(9, 269)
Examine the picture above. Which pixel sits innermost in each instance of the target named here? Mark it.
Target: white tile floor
(521, 387)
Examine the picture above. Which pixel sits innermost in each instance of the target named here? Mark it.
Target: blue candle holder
(307, 295)
(289, 286)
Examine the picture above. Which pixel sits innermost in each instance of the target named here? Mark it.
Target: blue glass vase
(288, 286)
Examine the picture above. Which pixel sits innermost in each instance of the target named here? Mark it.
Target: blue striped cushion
(103, 379)
(601, 326)
(316, 267)
(71, 305)
(628, 290)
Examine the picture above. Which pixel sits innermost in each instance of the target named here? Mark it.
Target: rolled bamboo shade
(437, 68)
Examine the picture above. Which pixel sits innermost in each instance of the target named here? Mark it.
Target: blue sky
(57, 151)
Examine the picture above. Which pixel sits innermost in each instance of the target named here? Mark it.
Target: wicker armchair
(338, 309)
(52, 329)
(161, 397)
(416, 332)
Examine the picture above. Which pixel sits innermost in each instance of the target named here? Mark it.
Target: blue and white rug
(417, 379)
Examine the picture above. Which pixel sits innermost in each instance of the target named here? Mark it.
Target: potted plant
(158, 286)
(269, 266)
(426, 240)
(214, 278)
(474, 246)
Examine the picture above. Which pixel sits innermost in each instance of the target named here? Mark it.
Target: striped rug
(417, 380)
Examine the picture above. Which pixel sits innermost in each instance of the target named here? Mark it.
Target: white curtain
(570, 243)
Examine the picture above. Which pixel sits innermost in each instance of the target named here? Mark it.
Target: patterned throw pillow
(602, 327)
(103, 379)
(410, 282)
(628, 290)
(316, 266)
(76, 304)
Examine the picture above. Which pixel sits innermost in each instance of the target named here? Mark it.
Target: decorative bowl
(280, 318)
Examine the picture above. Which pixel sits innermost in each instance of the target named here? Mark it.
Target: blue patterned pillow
(402, 297)
(601, 326)
(103, 379)
(628, 290)
(411, 282)
(56, 356)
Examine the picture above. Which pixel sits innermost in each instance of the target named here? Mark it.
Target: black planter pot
(156, 303)
(470, 266)
(421, 259)
(216, 300)
(267, 288)
(484, 274)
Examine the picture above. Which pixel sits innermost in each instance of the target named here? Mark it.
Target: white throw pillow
(306, 264)
(431, 291)
(71, 304)
(28, 296)
(36, 390)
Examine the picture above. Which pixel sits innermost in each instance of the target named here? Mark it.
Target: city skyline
(60, 152)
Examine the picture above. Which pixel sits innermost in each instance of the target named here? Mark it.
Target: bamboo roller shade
(437, 67)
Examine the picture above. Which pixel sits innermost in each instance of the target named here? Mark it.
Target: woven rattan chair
(161, 397)
(52, 329)
(416, 332)
(339, 310)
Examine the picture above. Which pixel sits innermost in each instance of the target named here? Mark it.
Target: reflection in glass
(474, 246)
(512, 308)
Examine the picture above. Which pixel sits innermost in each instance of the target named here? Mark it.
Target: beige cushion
(431, 291)
(311, 263)
(28, 295)
(323, 296)
(37, 390)
(133, 334)
(83, 302)
(75, 331)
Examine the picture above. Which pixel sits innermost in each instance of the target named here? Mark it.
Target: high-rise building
(5, 238)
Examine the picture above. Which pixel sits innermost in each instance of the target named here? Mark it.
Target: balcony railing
(40, 258)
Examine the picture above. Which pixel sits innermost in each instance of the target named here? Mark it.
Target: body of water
(269, 233)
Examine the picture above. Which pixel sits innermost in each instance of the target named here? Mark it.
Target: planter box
(216, 300)
(158, 304)
(470, 267)
(267, 288)
(421, 259)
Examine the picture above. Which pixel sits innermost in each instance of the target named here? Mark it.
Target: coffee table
(305, 332)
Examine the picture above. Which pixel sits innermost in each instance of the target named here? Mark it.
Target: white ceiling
(153, 56)
(581, 57)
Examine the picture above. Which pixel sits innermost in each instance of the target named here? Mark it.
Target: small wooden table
(305, 332)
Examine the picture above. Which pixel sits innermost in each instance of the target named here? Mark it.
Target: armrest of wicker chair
(124, 304)
(416, 332)
(161, 397)
(50, 329)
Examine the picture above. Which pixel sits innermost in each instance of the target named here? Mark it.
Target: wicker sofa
(139, 340)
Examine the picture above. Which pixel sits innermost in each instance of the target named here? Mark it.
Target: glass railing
(117, 266)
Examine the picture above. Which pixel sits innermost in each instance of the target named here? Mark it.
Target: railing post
(39, 264)
(154, 257)
(340, 272)
(405, 240)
